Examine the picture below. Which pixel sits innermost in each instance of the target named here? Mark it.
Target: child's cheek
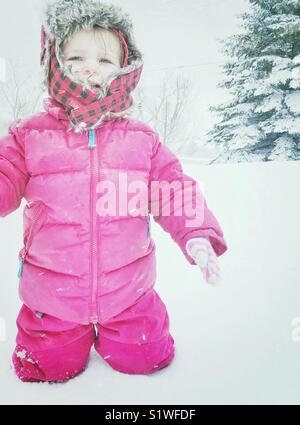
(107, 71)
(74, 68)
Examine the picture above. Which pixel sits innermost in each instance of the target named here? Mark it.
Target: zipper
(94, 256)
(35, 220)
(149, 228)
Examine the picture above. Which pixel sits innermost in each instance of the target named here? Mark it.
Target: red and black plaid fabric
(82, 106)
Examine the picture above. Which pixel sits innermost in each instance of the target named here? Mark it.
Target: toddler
(87, 268)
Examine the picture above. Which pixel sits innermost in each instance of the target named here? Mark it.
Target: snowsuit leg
(49, 349)
(137, 341)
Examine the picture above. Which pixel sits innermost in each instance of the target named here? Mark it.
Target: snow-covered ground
(234, 344)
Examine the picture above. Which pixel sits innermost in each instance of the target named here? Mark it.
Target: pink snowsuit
(81, 269)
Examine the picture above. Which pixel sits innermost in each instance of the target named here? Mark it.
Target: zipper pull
(20, 268)
(92, 143)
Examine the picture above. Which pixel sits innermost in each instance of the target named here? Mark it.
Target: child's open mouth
(95, 86)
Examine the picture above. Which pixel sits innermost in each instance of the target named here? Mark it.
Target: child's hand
(204, 255)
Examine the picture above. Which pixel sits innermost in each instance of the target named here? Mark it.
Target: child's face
(92, 55)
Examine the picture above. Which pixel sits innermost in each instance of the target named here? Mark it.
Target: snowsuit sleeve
(166, 167)
(13, 173)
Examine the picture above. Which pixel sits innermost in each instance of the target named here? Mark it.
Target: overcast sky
(170, 33)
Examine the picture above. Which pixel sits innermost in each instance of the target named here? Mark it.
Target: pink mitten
(204, 256)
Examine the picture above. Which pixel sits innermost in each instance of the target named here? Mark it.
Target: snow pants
(136, 341)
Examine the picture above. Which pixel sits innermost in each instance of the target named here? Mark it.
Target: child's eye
(105, 60)
(75, 58)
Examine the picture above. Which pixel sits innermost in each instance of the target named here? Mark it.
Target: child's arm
(166, 166)
(13, 171)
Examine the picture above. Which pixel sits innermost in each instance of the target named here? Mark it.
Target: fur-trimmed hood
(62, 18)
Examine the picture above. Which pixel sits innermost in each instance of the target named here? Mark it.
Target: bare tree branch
(21, 93)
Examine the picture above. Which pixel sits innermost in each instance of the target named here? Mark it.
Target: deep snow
(234, 343)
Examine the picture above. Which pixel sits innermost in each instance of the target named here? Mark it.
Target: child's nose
(90, 68)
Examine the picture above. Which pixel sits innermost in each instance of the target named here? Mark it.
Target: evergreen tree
(262, 121)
